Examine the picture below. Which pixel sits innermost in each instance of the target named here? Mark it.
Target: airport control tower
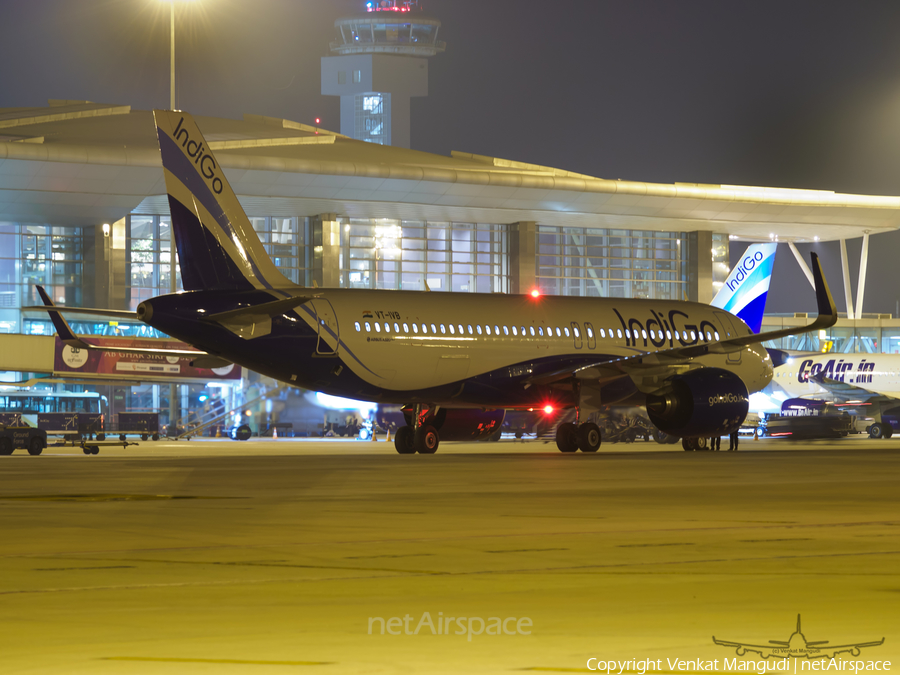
(381, 63)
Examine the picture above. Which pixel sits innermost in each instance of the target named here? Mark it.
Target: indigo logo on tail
(746, 288)
(200, 155)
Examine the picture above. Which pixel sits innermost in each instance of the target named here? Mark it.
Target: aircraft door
(327, 329)
(576, 334)
(727, 322)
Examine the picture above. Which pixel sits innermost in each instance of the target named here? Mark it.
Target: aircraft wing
(849, 392)
(742, 648)
(68, 337)
(829, 651)
(665, 359)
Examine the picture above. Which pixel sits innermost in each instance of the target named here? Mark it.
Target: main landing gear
(420, 437)
(571, 437)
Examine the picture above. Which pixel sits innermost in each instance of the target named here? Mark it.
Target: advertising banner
(131, 367)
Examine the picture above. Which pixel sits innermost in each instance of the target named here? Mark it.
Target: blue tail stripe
(752, 313)
(204, 263)
(181, 167)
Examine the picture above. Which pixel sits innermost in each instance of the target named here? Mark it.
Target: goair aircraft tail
(217, 246)
(745, 290)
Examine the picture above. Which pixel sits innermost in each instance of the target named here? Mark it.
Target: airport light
(171, 53)
(535, 293)
(548, 409)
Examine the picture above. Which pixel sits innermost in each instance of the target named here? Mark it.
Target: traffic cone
(388, 437)
(755, 433)
(275, 433)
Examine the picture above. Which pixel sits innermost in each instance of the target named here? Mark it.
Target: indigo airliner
(455, 362)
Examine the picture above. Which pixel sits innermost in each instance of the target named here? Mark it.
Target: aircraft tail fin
(745, 290)
(217, 245)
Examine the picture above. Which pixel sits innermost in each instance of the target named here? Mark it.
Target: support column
(326, 259)
(845, 268)
(700, 266)
(522, 256)
(861, 284)
(803, 265)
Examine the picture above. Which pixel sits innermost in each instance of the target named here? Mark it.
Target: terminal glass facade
(149, 258)
(607, 263)
(38, 254)
(371, 119)
(395, 254)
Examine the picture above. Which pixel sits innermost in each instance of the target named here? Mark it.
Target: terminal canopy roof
(81, 163)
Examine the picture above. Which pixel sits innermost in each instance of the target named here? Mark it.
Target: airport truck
(22, 436)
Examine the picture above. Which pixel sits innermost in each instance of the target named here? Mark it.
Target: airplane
(455, 362)
(745, 290)
(868, 381)
(797, 646)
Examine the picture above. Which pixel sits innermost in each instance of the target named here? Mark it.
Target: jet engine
(463, 424)
(701, 402)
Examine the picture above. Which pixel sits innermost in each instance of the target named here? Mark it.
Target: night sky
(787, 94)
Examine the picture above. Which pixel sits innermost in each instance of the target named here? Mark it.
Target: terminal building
(83, 212)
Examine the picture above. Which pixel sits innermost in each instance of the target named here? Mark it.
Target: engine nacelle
(702, 402)
(463, 424)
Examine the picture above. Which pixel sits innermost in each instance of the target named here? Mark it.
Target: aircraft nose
(145, 311)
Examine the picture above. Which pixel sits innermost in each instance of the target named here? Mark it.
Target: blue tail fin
(217, 246)
(746, 288)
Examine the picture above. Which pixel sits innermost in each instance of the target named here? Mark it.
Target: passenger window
(496, 330)
(668, 335)
(377, 327)
(434, 329)
(684, 335)
(707, 336)
(619, 333)
(522, 328)
(566, 330)
(405, 327)
(588, 330)
(592, 341)
(515, 332)
(576, 331)
(487, 329)
(558, 332)
(602, 333)
(470, 329)
(415, 328)
(478, 328)
(452, 329)
(396, 327)
(424, 329)
(368, 327)
(506, 330)
(443, 330)
(628, 333)
(461, 331)
(531, 329)
(644, 334)
(357, 326)
(716, 334)
(693, 336)
(387, 327)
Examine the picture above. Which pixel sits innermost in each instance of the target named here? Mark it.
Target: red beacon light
(535, 293)
(548, 409)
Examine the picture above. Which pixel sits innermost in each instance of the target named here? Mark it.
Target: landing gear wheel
(95, 450)
(154, 437)
(702, 443)
(101, 436)
(35, 445)
(426, 440)
(567, 437)
(6, 446)
(121, 437)
(689, 444)
(403, 441)
(589, 437)
(879, 430)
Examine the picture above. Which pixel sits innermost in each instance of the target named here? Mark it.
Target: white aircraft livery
(869, 381)
(745, 290)
(454, 361)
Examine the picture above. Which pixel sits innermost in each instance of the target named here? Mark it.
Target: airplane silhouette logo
(797, 646)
